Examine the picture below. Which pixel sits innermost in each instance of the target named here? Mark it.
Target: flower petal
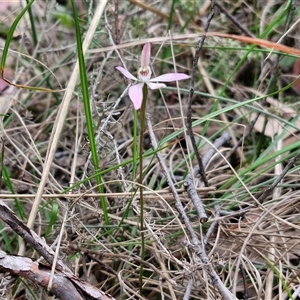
(136, 95)
(170, 77)
(155, 86)
(145, 57)
(126, 73)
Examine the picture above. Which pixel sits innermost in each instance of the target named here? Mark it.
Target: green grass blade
(10, 35)
(88, 114)
(53, 218)
(19, 208)
(31, 17)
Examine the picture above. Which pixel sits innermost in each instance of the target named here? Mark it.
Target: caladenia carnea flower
(144, 77)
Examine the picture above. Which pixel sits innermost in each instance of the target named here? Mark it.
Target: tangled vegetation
(118, 186)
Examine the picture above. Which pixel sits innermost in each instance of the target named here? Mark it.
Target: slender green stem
(135, 147)
(143, 122)
(33, 28)
(88, 113)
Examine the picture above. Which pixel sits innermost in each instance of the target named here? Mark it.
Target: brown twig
(190, 189)
(64, 286)
(117, 29)
(105, 266)
(188, 289)
(191, 93)
(195, 245)
(63, 276)
(30, 237)
(243, 273)
(269, 190)
(213, 225)
(218, 143)
(189, 181)
(233, 20)
(25, 267)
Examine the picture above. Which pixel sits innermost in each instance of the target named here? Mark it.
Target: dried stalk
(195, 245)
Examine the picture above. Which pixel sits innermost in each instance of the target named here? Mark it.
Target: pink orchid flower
(144, 77)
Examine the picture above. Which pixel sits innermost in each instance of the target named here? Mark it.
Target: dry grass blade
(237, 239)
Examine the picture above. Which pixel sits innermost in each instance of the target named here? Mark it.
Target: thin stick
(189, 181)
(34, 273)
(188, 289)
(234, 20)
(117, 29)
(191, 93)
(269, 190)
(213, 225)
(195, 244)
